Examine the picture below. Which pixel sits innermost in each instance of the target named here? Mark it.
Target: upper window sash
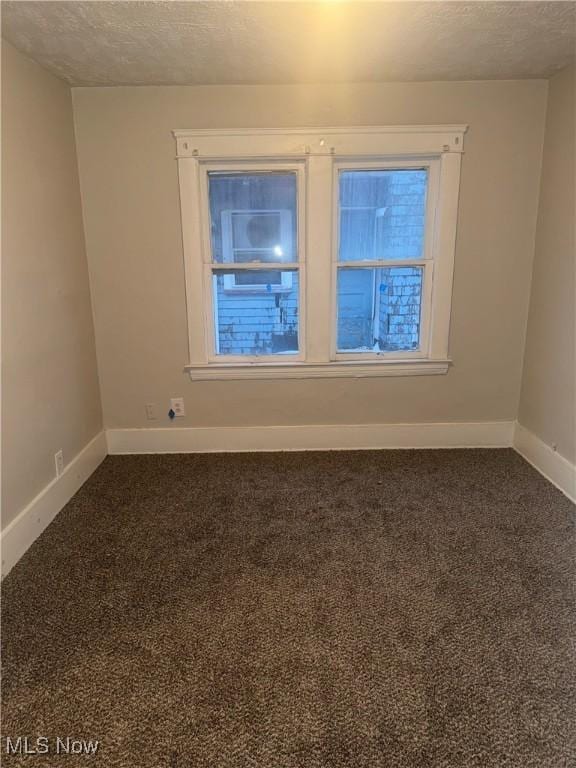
(255, 167)
(432, 167)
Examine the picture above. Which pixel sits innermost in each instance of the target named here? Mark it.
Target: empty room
(288, 384)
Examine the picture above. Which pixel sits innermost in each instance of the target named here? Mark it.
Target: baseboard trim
(555, 468)
(324, 437)
(21, 533)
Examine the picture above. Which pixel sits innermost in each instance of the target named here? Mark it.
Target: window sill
(334, 370)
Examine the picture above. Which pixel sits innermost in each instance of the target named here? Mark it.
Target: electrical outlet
(59, 462)
(150, 411)
(177, 405)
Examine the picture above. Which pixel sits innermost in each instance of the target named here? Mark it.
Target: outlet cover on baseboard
(177, 405)
(59, 462)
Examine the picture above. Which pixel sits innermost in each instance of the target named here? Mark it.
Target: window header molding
(363, 141)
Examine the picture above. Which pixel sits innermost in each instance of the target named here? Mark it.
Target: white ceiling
(144, 43)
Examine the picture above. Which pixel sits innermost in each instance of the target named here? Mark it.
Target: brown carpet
(407, 609)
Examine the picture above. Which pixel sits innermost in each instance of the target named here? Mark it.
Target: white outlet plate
(150, 411)
(177, 405)
(59, 462)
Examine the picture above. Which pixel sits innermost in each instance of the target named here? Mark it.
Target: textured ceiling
(143, 43)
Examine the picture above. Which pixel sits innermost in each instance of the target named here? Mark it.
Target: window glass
(379, 309)
(256, 312)
(382, 214)
(253, 217)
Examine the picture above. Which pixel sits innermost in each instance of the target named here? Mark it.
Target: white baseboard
(18, 535)
(548, 462)
(323, 437)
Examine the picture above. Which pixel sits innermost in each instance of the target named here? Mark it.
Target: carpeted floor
(408, 609)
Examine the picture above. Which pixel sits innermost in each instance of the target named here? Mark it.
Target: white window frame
(212, 267)
(317, 156)
(427, 261)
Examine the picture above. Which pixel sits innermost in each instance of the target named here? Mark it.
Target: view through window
(381, 222)
(253, 221)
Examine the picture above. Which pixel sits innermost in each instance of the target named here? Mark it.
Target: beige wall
(50, 396)
(548, 402)
(130, 193)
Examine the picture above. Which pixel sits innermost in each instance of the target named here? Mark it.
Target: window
(253, 218)
(319, 253)
(382, 258)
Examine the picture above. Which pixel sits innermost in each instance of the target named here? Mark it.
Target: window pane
(379, 309)
(382, 214)
(256, 312)
(253, 217)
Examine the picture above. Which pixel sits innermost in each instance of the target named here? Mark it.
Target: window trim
(355, 369)
(317, 153)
